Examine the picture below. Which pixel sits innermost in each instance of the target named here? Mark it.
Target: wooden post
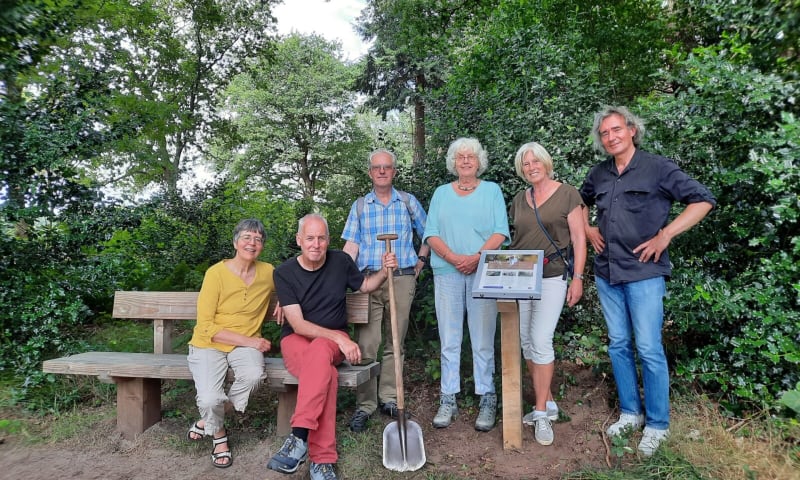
(287, 401)
(138, 404)
(511, 374)
(162, 336)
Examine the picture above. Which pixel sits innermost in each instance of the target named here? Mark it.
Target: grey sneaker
(552, 414)
(626, 421)
(651, 439)
(322, 471)
(543, 430)
(448, 411)
(293, 452)
(487, 412)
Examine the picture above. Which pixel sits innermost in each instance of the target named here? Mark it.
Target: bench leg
(138, 404)
(287, 401)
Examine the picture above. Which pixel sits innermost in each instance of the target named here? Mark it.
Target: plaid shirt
(377, 219)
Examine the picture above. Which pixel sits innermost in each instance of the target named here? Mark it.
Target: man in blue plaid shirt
(384, 210)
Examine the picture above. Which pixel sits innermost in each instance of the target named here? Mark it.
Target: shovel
(403, 449)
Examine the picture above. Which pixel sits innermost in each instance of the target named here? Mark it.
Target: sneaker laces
(289, 446)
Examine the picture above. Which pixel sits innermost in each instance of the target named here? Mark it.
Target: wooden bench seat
(138, 375)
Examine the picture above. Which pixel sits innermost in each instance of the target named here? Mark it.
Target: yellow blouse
(226, 303)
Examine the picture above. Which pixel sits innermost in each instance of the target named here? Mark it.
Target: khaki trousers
(369, 340)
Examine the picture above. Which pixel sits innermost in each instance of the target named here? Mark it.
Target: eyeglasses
(471, 157)
(250, 238)
(381, 167)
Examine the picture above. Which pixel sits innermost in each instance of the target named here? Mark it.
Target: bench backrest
(164, 307)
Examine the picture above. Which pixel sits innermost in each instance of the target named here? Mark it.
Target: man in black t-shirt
(314, 340)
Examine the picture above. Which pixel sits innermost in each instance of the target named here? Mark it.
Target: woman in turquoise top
(465, 217)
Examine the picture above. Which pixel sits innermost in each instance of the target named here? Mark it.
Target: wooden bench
(138, 375)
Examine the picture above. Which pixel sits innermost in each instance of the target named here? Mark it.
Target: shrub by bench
(138, 375)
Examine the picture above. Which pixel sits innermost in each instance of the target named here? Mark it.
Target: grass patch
(705, 445)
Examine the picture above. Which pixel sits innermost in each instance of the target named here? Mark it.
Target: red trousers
(314, 363)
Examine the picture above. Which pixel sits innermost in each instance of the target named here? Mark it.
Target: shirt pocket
(636, 198)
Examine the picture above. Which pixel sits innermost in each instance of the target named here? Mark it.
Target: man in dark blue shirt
(633, 191)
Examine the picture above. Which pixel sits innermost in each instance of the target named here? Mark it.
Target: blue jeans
(636, 310)
(453, 295)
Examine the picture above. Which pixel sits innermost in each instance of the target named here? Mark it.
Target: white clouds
(333, 20)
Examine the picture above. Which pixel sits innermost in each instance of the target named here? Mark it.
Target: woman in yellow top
(231, 308)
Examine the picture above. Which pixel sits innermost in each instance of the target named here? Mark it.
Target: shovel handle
(398, 367)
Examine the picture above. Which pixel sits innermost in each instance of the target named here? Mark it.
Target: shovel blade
(403, 448)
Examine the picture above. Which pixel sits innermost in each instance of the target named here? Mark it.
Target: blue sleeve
(351, 226)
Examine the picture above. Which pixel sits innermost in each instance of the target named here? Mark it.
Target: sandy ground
(458, 451)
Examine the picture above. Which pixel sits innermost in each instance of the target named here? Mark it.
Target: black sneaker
(389, 409)
(359, 421)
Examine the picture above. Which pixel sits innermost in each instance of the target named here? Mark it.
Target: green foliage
(733, 310)
(291, 127)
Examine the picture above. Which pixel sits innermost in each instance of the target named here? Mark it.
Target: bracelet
(579, 276)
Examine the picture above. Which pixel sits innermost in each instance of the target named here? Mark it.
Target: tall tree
(290, 116)
(174, 61)
(410, 44)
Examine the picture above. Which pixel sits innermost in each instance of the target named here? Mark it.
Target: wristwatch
(423, 258)
(579, 276)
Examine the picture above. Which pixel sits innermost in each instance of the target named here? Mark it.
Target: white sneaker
(552, 414)
(626, 421)
(543, 431)
(651, 439)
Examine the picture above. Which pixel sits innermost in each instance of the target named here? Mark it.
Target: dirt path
(455, 452)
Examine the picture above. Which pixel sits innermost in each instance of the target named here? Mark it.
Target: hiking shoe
(486, 413)
(543, 430)
(447, 411)
(322, 471)
(552, 414)
(651, 439)
(626, 421)
(293, 452)
(389, 409)
(359, 421)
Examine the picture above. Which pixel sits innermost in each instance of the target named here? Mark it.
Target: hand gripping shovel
(403, 449)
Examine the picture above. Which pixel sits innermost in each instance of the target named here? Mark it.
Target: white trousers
(209, 368)
(538, 320)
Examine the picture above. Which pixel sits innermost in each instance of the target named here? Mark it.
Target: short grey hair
(381, 150)
(249, 225)
(540, 154)
(631, 120)
(471, 144)
(302, 222)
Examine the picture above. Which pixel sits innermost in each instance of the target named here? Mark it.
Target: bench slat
(183, 306)
(175, 366)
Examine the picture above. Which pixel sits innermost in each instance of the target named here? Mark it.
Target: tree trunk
(419, 122)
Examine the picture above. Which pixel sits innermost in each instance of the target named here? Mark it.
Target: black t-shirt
(320, 293)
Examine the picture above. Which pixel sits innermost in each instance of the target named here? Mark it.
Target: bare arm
(237, 339)
(593, 233)
(689, 217)
(351, 248)
(577, 235)
(466, 264)
(374, 281)
(301, 326)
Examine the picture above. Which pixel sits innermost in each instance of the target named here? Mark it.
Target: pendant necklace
(463, 188)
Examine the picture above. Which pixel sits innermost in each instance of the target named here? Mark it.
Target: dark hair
(249, 225)
(631, 120)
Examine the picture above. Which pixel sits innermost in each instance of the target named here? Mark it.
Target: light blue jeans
(636, 310)
(453, 295)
